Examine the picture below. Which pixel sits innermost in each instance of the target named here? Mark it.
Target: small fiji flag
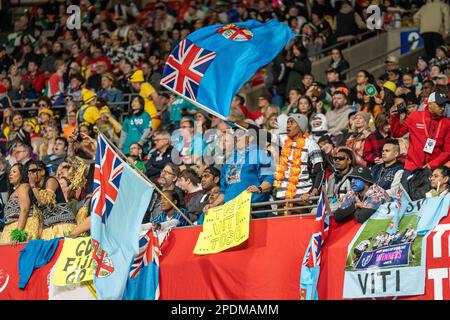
(143, 282)
(310, 267)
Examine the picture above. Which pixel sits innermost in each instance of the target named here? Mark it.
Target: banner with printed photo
(383, 261)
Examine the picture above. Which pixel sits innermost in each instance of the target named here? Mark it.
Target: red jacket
(38, 81)
(414, 124)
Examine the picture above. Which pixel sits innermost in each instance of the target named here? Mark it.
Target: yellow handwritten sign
(226, 226)
(75, 264)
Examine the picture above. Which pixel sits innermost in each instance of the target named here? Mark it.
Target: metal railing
(259, 204)
(348, 43)
(286, 201)
(382, 56)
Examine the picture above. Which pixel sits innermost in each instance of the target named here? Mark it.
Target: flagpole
(214, 113)
(144, 176)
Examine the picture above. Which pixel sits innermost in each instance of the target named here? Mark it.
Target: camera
(401, 108)
(79, 138)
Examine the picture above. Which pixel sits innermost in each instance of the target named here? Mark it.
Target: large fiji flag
(310, 269)
(119, 201)
(210, 65)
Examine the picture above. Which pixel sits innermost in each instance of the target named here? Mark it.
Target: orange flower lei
(295, 171)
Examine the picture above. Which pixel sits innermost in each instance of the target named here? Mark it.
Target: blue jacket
(252, 167)
(176, 215)
(384, 176)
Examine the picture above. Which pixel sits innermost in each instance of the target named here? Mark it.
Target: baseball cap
(342, 90)
(390, 85)
(422, 58)
(439, 98)
(392, 59)
(361, 173)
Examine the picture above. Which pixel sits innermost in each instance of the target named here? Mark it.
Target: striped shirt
(311, 155)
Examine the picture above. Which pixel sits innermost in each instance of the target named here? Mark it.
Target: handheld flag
(310, 269)
(213, 63)
(400, 201)
(119, 201)
(143, 282)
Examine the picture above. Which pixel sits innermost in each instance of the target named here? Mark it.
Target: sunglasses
(340, 158)
(34, 170)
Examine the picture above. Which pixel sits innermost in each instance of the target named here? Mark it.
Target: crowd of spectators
(59, 88)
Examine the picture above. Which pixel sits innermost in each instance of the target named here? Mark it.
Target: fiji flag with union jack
(143, 282)
(310, 270)
(210, 65)
(119, 201)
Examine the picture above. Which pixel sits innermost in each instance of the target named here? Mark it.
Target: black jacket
(156, 162)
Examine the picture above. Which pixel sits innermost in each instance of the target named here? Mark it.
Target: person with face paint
(364, 198)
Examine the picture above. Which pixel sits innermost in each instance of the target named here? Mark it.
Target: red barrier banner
(267, 266)
(37, 287)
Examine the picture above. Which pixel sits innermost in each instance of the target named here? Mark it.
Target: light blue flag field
(213, 63)
(310, 268)
(119, 201)
(387, 257)
(143, 282)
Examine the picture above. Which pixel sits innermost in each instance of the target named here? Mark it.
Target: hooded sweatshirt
(319, 126)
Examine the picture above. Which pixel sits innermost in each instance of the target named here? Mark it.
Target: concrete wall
(355, 55)
(408, 60)
(360, 55)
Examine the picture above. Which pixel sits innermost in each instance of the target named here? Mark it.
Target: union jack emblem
(185, 68)
(107, 175)
(314, 251)
(149, 251)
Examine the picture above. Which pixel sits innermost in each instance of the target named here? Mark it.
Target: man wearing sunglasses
(338, 182)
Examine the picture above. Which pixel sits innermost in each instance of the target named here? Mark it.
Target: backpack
(419, 183)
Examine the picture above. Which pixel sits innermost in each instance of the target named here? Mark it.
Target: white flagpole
(144, 176)
(214, 113)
